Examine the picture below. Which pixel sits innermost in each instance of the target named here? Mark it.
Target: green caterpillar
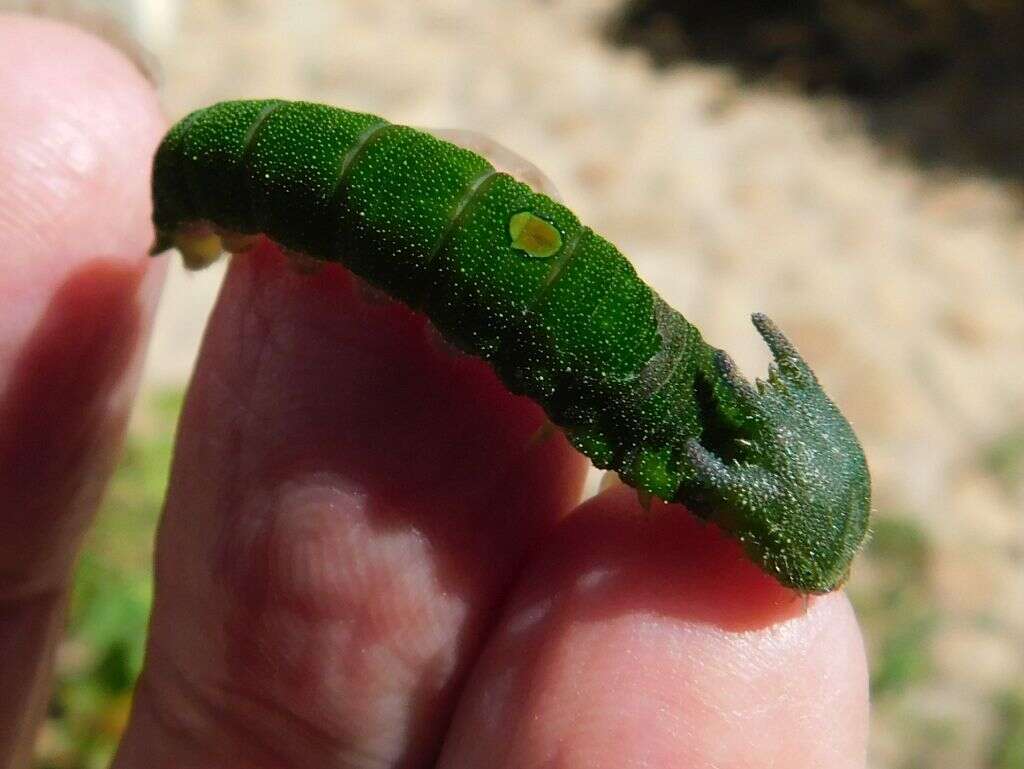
(511, 276)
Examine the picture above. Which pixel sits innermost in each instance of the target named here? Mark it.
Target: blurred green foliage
(1008, 748)
(1004, 459)
(101, 657)
(897, 610)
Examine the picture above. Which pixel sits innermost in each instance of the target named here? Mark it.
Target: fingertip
(651, 640)
(79, 123)
(501, 157)
(670, 561)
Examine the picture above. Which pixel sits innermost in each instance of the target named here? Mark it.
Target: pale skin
(363, 560)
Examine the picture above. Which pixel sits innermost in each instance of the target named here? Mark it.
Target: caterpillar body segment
(511, 276)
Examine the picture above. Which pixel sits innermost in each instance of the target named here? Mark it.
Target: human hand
(363, 561)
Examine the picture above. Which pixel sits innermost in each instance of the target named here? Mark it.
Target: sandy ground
(902, 287)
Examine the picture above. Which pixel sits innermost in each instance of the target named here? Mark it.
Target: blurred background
(854, 168)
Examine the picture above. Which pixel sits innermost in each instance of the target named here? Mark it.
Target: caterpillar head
(780, 468)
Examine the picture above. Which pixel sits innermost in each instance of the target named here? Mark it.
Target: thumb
(78, 125)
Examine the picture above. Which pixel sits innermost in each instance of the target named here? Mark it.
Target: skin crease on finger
(78, 124)
(651, 641)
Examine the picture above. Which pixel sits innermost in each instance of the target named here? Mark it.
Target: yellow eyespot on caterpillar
(534, 235)
(631, 382)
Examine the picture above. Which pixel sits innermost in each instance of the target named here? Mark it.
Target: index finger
(348, 505)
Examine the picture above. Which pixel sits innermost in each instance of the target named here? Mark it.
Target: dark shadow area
(942, 80)
(56, 411)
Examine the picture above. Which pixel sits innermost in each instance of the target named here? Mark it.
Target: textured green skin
(631, 382)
